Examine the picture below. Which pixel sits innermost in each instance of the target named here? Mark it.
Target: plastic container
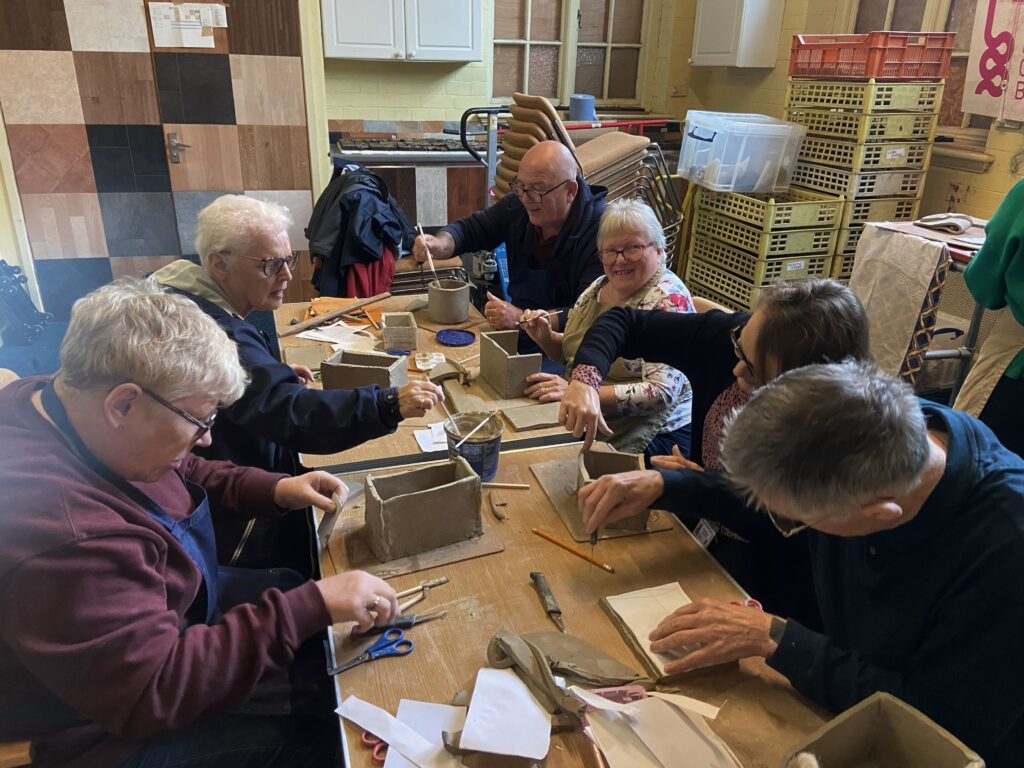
(758, 271)
(855, 186)
(861, 127)
(483, 448)
(765, 244)
(733, 152)
(868, 97)
(795, 209)
(866, 157)
(883, 55)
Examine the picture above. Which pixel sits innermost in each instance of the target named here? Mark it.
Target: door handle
(175, 145)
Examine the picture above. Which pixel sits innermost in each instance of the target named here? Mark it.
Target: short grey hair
(630, 215)
(135, 331)
(232, 222)
(827, 439)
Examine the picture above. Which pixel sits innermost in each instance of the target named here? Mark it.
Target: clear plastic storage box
(733, 152)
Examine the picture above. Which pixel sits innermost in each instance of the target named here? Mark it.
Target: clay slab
(502, 367)
(349, 369)
(603, 460)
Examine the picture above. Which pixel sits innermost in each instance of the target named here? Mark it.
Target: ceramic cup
(448, 301)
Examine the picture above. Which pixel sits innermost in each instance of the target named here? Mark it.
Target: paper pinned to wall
(429, 721)
(505, 718)
(186, 25)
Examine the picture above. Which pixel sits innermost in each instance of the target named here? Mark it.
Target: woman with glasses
(725, 355)
(648, 404)
(124, 642)
(247, 263)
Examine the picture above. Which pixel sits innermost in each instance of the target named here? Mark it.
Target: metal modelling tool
(547, 599)
(391, 643)
(593, 547)
(402, 622)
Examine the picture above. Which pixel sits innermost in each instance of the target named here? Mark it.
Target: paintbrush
(455, 427)
(430, 261)
(545, 314)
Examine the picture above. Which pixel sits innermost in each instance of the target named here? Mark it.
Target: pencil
(520, 486)
(569, 548)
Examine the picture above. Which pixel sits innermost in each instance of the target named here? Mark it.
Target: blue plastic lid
(455, 337)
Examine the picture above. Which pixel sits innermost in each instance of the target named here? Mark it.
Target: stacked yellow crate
(869, 141)
(744, 242)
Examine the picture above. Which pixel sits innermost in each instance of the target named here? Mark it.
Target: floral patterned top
(654, 386)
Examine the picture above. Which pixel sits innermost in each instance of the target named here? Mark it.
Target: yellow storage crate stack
(743, 242)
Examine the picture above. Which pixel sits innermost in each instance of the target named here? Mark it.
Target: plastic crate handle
(692, 133)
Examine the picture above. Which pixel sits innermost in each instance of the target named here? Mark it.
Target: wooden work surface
(401, 447)
(761, 717)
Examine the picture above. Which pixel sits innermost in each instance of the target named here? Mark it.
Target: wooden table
(761, 717)
(400, 447)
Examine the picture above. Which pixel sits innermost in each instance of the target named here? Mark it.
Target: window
(969, 131)
(556, 47)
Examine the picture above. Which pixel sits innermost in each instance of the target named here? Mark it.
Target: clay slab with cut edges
(604, 460)
(502, 367)
(349, 369)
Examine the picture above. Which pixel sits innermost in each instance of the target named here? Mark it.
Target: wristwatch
(776, 630)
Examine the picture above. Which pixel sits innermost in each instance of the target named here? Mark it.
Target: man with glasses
(246, 265)
(914, 516)
(549, 226)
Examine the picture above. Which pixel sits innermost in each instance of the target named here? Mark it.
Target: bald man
(549, 226)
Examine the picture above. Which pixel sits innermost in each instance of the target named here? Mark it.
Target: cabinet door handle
(172, 141)
(411, 55)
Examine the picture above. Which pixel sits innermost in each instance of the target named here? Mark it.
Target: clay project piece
(421, 510)
(348, 370)
(399, 330)
(605, 460)
(448, 301)
(502, 367)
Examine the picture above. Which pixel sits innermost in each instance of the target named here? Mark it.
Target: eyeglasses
(272, 267)
(734, 335)
(630, 253)
(533, 195)
(202, 426)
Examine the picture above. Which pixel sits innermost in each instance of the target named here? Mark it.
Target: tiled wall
(87, 105)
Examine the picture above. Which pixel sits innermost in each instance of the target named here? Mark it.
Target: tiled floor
(117, 88)
(64, 226)
(62, 281)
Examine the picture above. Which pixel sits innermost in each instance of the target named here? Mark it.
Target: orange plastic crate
(882, 55)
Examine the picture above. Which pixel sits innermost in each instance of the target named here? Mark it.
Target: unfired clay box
(399, 330)
(413, 512)
(604, 460)
(502, 367)
(348, 370)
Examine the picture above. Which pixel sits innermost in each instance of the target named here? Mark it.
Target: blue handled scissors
(391, 643)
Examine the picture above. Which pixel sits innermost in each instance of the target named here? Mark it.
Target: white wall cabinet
(409, 30)
(737, 33)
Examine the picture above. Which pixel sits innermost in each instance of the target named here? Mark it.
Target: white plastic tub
(733, 152)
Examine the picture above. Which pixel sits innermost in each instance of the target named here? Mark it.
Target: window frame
(569, 46)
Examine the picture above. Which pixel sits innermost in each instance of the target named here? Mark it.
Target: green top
(995, 275)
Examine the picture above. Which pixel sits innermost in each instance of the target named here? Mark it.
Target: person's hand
(580, 412)
(712, 632)
(537, 325)
(546, 387)
(357, 596)
(675, 461)
(418, 397)
(305, 375)
(502, 315)
(441, 247)
(314, 488)
(615, 497)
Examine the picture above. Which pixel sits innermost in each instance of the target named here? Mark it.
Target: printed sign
(995, 68)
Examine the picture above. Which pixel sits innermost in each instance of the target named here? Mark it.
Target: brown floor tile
(264, 27)
(274, 156)
(35, 25)
(63, 226)
(51, 158)
(268, 90)
(117, 88)
(138, 266)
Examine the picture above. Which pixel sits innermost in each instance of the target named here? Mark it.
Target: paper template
(433, 439)
(504, 717)
(186, 25)
(619, 744)
(643, 610)
(597, 701)
(399, 736)
(429, 721)
(668, 733)
(685, 702)
(339, 333)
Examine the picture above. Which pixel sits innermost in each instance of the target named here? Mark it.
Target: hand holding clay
(502, 315)
(615, 497)
(441, 247)
(418, 397)
(580, 412)
(312, 488)
(358, 596)
(305, 375)
(546, 387)
(712, 632)
(675, 461)
(537, 325)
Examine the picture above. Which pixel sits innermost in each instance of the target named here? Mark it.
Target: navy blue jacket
(575, 264)
(278, 416)
(931, 611)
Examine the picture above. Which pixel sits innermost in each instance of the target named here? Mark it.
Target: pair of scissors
(391, 643)
(379, 747)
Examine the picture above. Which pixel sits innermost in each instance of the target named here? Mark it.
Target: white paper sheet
(644, 609)
(504, 717)
(339, 333)
(433, 439)
(619, 744)
(690, 705)
(668, 733)
(181, 25)
(428, 720)
(597, 701)
(399, 736)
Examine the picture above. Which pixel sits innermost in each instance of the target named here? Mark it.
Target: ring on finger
(376, 601)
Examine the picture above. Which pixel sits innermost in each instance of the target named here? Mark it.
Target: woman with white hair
(122, 639)
(247, 263)
(647, 404)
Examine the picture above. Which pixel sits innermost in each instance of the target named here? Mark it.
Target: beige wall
(976, 194)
